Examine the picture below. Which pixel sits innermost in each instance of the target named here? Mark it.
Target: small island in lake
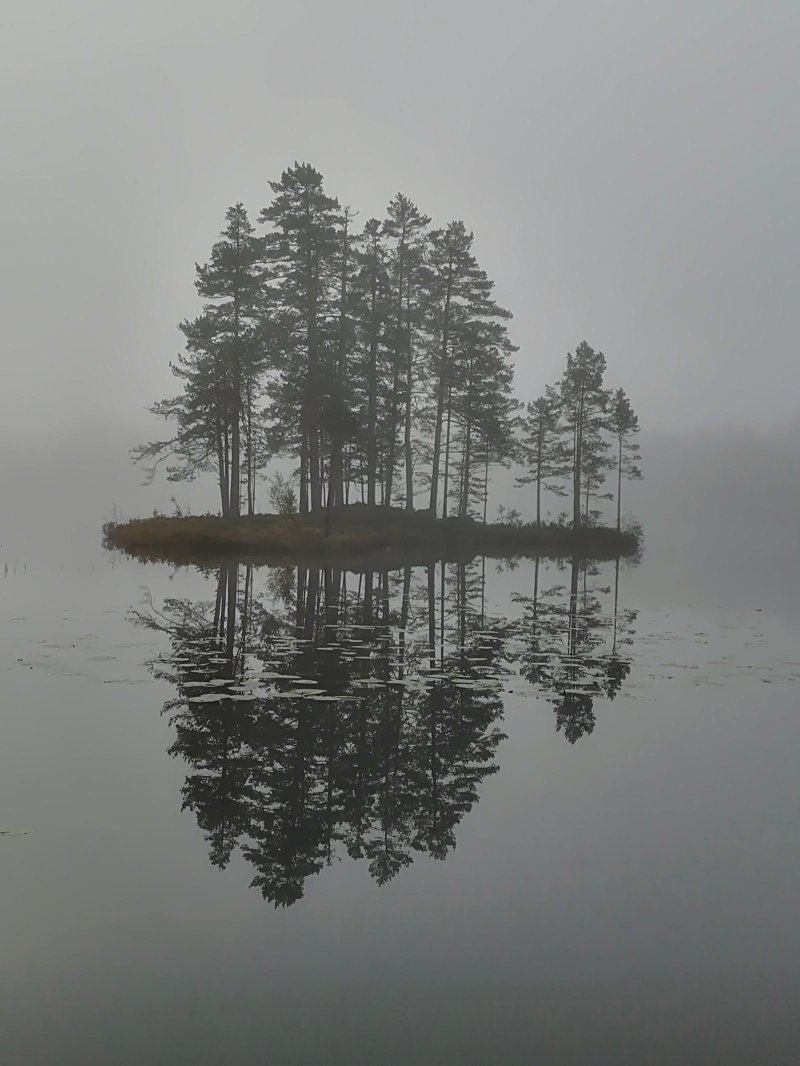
(391, 537)
(376, 368)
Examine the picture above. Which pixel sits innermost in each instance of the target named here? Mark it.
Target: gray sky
(630, 170)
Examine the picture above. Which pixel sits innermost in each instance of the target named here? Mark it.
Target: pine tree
(584, 401)
(542, 448)
(371, 309)
(301, 252)
(230, 286)
(405, 230)
(461, 296)
(223, 353)
(623, 424)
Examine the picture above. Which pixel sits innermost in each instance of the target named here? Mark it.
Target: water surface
(542, 812)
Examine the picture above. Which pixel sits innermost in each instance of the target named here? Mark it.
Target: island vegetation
(374, 367)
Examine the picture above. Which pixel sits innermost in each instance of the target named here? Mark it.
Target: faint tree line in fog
(378, 360)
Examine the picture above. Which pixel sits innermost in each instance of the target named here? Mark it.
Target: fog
(630, 171)
(719, 508)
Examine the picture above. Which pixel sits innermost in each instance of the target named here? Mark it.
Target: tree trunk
(446, 458)
(619, 486)
(372, 395)
(440, 392)
(539, 482)
(576, 472)
(409, 458)
(303, 502)
(486, 485)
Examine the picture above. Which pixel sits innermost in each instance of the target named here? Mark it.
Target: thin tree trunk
(446, 457)
(619, 486)
(440, 391)
(303, 503)
(539, 483)
(372, 391)
(576, 479)
(486, 485)
(409, 458)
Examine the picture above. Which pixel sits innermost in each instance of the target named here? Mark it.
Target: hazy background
(630, 170)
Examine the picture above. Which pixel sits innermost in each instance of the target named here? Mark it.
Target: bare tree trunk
(440, 391)
(409, 457)
(619, 487)
(576, 479)
(486, 486)
(372, 395)
(446, 458)
(303, 503)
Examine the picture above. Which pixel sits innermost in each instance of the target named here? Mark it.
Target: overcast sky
(630, 169)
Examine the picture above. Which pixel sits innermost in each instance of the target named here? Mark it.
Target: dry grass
(360, 535)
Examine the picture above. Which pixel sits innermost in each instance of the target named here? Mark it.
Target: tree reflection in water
(336, 712)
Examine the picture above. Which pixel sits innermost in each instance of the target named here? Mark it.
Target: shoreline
(359, 535)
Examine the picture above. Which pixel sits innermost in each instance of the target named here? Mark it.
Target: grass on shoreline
(360, 536)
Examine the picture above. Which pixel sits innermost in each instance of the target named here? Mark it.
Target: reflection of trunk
(219, 603)
(312, 603)
(246, 601)
(616, 603)
(230, 628)
(404, 606)
(573, 607)
(462, 615)
(432, 614)
(441, 615)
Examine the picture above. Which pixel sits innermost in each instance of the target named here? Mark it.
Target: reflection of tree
(564, 630)
(305, 720)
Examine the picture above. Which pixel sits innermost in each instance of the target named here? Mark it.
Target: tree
(623, 423)
(301, 253)
(405, 230)
(461, 297)
(223, 354)
(583, 402)
(543, 448)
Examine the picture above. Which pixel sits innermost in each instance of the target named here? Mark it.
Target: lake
(527, 812)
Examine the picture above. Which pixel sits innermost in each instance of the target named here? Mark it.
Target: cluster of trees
(376, 358)
(379, 362)
(577, 434)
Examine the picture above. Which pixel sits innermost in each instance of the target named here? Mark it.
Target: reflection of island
(359, 713)
(564, 632)
(317, 722)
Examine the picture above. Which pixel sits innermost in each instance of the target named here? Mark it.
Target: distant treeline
(378, 360)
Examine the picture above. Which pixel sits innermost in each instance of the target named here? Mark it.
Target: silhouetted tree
(623, 424)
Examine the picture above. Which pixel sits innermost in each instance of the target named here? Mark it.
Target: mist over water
(636, 846)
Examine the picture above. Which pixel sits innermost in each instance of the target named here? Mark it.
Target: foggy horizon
(629, 176)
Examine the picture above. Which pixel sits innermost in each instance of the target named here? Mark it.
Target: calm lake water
(489, 814)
